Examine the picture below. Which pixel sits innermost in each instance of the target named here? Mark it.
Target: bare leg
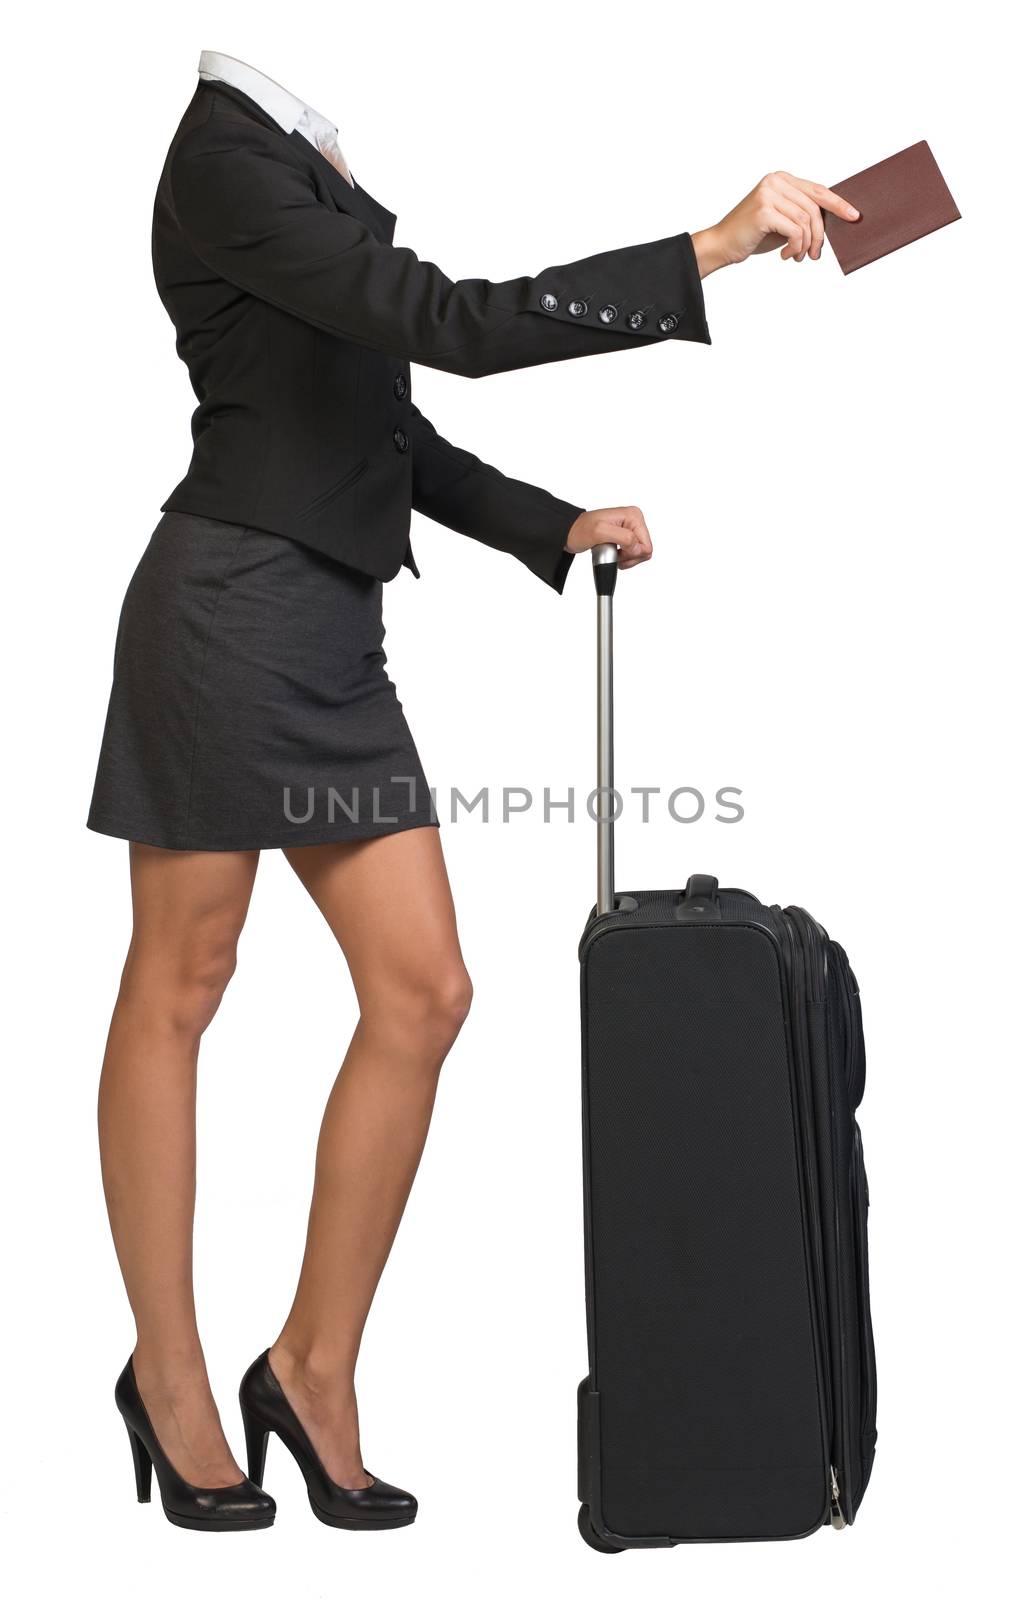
(189, 908)
(388, 903)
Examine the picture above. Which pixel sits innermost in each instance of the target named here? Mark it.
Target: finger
(627, 524)
(635, 560)
(643, 538)
(627, 542)
(780, 218)
(626, 527)
(639, 527)
(804, 201)
(778, 222)
(827, 198)
(795, 210)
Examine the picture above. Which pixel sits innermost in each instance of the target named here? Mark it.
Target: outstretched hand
(781, 210)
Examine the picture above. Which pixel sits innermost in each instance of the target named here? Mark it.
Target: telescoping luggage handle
(605, 560)
(699, 901)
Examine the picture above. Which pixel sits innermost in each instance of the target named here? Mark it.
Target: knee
(182, 987)
(450, 1001)
(425, 1016)
(202, 979)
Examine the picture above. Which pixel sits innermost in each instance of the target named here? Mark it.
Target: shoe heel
(143, 1468)
(256, 1440)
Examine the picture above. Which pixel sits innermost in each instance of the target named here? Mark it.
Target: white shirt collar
(285, 108)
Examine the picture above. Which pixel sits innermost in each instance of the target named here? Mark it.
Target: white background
(825, 625)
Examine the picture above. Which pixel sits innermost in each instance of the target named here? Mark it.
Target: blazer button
(636, 321)
(550, 303)
(400, 386)
(608, 313)
(578, 308)
(400, 439)
(669, 323)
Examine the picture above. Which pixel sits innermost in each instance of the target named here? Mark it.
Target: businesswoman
(250, 710)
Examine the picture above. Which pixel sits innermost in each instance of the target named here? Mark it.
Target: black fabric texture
(245, 666)
(298, 318)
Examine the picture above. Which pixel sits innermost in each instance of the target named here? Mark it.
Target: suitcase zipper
(815, 962)
(866, 1337)
(836, 1515)
(859, 1424)
(799, 970)
(855, 1065)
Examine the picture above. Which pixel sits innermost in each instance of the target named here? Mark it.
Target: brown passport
(899, 200)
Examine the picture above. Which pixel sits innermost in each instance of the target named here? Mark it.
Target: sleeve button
(550, 302)
(578, 308)
(636, 321)
(669, 323)
(608, 313)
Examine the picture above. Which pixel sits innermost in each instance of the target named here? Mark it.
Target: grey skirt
(250, 706)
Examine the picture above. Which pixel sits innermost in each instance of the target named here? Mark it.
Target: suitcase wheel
(590, 1537)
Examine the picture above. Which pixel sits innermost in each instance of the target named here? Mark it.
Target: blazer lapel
(383, 222)
(355, 200)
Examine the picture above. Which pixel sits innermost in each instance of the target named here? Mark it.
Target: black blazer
(297, 318)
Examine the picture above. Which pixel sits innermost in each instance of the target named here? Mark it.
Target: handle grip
(605, 560)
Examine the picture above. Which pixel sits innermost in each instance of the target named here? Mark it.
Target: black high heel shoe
(241, 1505)
(265, 1410)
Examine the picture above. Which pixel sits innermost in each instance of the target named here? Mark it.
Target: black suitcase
(731, 1383)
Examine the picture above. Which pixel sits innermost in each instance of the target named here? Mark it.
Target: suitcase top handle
(605, 560)
(700, 900)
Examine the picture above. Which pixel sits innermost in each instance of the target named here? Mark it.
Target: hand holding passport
(899, 200)
(869, 215)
